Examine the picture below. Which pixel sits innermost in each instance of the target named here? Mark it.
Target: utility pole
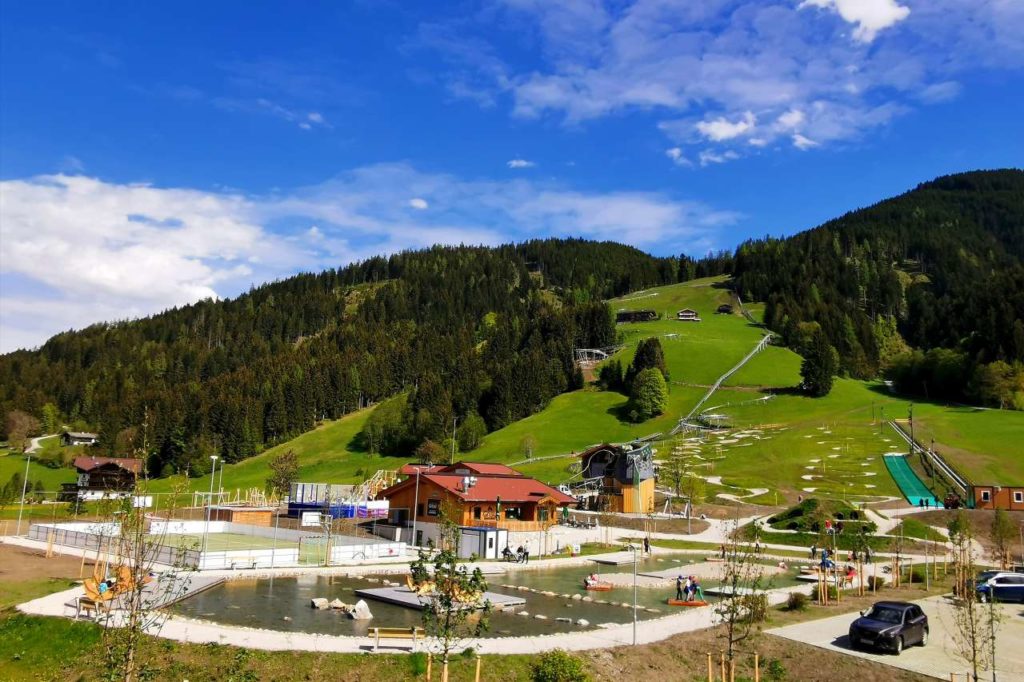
(209, 504)
(415, 507)
(24, 488)
(910, 418)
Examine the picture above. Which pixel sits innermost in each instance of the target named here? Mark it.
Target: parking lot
(939, 658)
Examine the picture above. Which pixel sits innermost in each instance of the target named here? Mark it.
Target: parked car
(1000, 586)
(890, 625)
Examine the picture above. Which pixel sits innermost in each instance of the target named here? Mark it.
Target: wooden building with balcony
(475, 496)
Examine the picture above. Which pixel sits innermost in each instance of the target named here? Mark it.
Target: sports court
(912, 487)
(220, 542)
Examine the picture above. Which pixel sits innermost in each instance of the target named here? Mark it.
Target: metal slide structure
(685, 421)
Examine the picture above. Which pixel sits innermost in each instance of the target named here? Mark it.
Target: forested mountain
(927, 286)
(939, 267)
(484, 335)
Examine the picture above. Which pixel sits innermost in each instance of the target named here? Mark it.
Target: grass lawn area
(825, 446)
(774, 366)
(912, 528)
(51, 478)
(986, 446)
(696, 352)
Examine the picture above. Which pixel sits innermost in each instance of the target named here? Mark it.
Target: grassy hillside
(326, 454)
(696, 352)
(792, 444)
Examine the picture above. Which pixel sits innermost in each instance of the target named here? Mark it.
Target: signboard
(310, 518)
(433, 507)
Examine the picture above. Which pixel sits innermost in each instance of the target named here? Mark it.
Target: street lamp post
(24, 489)
(634, 593)
(415, 507)
(209, 503)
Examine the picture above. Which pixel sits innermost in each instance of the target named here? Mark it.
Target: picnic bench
(413, 633)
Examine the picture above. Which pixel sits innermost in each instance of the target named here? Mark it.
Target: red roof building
(475, 494)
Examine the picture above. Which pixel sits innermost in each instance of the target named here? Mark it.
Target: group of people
(520, 556)
(852, 556)
(688, 589)
(591, 580)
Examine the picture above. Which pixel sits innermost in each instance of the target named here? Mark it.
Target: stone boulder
(338, 604)
(319, 603)
(360, 611)
(583, 622)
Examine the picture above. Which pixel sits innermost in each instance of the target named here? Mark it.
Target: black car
(890, 625)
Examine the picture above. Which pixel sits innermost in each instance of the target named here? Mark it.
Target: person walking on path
(814, 551)
(647, 545)
(679, 588)
(526, 554)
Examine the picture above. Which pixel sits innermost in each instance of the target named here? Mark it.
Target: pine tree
(819, 366)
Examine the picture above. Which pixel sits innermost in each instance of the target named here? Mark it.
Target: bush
(756, 607)
(558, 666)
(915, 575)
(797, 601)
(774, 671)
(877, 580)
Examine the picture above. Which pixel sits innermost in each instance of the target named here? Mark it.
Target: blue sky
(152, 155)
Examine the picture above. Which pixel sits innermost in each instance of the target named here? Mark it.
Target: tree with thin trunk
(284, 470)
(744, 602)
(1003, 535)
(20, 426)
(147, 574)
(454, 611)
(974, 623)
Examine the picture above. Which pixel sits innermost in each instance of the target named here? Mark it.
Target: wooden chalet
(100, 477)
(78, 438)
(1010, 497)
(724, 309)
(688, 315)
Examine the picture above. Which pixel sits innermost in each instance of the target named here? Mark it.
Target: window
(513, 513)
(419, 510)
(1018, 496)
(476, 512)
(433, 507)
(986, 495)
(490, 542)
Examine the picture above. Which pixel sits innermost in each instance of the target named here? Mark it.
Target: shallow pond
(265, 603)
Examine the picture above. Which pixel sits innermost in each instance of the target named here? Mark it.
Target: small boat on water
(599, 587)
(683, 602)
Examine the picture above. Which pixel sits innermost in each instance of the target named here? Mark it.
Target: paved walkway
(938, 658)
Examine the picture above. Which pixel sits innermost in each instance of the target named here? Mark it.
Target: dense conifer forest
(483, 336)
(927, 287)
(939, 268)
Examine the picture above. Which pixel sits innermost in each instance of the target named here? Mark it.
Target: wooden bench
(413, 633)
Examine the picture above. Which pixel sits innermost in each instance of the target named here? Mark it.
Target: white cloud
(128, 250)
(316, 117)
(520, 163)
(709, 157)
(803, 143)
(871, 16)
(791, 119)
(726, 71)
(721, 128)
(676, 154)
